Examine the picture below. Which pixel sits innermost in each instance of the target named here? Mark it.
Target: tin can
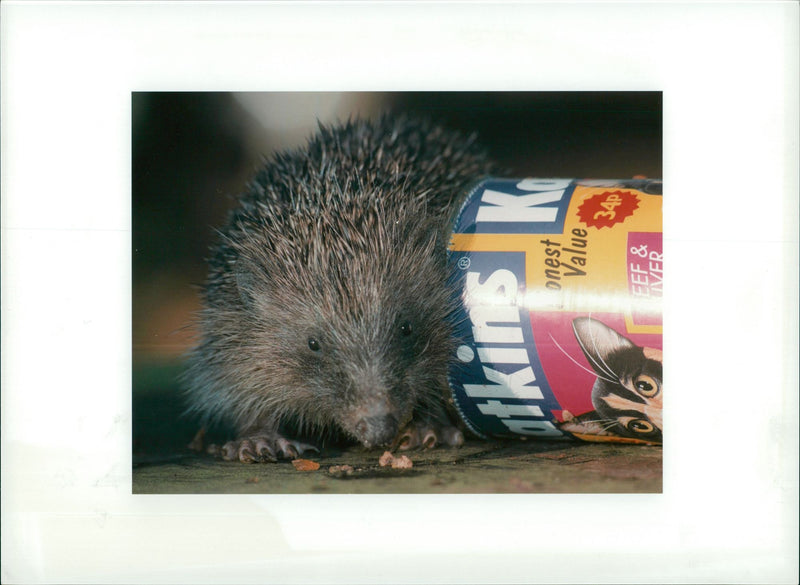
(559, 326)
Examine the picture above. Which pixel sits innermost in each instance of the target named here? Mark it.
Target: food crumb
(402, 462)
(252, 480)
(386, 459)
(305, 465)
(341, 470)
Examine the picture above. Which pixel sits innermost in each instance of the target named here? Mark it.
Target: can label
(560, 331)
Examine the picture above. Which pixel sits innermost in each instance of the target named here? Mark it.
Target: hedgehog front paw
(261, 449)
(428, 436)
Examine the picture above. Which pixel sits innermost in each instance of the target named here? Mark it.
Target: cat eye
(405, 328)
(646, 386)
(640, 426)
(313, 344)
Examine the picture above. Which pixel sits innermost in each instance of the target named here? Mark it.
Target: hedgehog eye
(640, 426)
(405, 328)
(313, 344)
(646, 386)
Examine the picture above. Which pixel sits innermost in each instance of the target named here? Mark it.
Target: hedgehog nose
(377, 430)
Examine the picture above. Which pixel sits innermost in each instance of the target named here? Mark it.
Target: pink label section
(645, 273)
(566, 368)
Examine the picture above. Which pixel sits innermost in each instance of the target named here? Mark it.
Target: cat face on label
(627, 395)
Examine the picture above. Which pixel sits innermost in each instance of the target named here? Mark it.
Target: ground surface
(477, 467)
(162, 462)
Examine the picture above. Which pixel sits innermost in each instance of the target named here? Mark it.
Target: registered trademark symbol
(463, 262)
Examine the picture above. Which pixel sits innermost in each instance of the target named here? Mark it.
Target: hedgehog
(327, 313)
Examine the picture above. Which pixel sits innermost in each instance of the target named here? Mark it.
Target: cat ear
(653, 354)
(598, 341)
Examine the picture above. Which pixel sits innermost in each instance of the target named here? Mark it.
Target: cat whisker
(594, 420)
(610, 423)
(581, 366)
(604, 423)
(599, 357)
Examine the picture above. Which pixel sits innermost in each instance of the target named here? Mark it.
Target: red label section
(608, 208)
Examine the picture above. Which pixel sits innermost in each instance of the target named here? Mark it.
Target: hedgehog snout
(374, 431)
(376, 410)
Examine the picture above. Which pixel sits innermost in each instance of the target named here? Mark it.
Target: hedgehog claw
(429, 439)
(452, 436)
(428, 436)
(288, 450)
(260, 449)
(406, 440)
